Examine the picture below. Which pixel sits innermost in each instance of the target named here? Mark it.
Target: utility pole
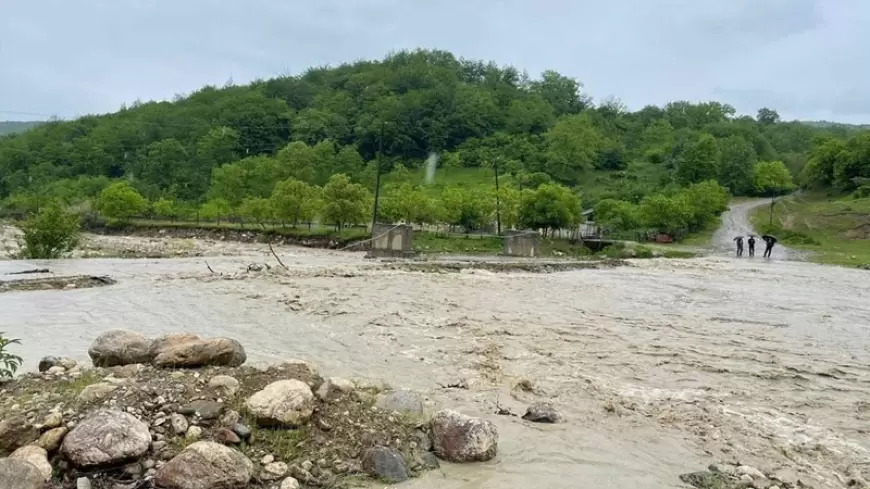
(378, 178)
(772, 202)
(497, 199)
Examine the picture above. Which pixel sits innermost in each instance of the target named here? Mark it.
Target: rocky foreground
(181, 412)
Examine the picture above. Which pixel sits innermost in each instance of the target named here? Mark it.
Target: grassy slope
(836, 229)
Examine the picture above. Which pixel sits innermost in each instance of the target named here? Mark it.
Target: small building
(588, 229)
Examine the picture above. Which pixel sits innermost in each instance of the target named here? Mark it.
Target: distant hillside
(12, 127)
(830, 124)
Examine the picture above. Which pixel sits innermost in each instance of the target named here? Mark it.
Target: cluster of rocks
(135, 421)
(739, 476)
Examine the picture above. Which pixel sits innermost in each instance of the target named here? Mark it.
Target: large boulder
(15, 432)
(119, 347)
(459, 438)
(20, 474)
(188, 351)
(206, 465)
(37, 457)
(282, 403)
(106, 437)
(543, 412)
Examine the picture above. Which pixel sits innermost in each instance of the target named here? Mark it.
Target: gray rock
(402, 401)
(225, 385)
(206, 465)
(334, 386)
(282, 403)
(274, 471)
(52, 420)
(385, 464)
(48, 362)
(179, 423)
(36, 456)
(20, 474)
(543, 412)
(427, 461)
(57, 370)
(459, 438)
(424, 441)
(290, 483)
(106, 437)
(193, 433)
(83, 483)
(51, 439)
(15, 432)
(207, 410)
(190, 352)
(750, 471)
(227, 437)
(95, 392)
(243, 431)
(119, 347)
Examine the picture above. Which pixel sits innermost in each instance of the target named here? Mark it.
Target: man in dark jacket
(769, 241)
(751, 242)
(739, 240)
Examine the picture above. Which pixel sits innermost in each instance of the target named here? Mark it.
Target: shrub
(50, 233)
(9, 363)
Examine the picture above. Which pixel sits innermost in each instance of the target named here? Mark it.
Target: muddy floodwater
(660, 368)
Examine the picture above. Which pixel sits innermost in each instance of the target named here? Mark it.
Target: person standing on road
(769, 241)
(739, 240)
(751, 242)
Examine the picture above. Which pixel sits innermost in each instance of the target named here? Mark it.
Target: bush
(9, 363)
(50, 233)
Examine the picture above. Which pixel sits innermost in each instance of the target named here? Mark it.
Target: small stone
(224, 384)
(274, 471)
(243, 431)
(726, 469)
(148, 464)
(385, 464)
(95, 392)
(51, 439)
(334, 386)
(459, 438)
(206, 410)
(47, 362)
(750, 471)
(179, 423)
(83, 483)
(402, 401)
(16, 432)
(746, 478)
(307, 465)
(282, 403)
(290, 483)
(267, 459)
(205, 465)
(53, 420)
(106, 437)
(56, 370)
(543, 412)
(227, 437)
(193, 433)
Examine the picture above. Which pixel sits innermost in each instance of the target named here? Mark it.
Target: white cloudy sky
(808, 59)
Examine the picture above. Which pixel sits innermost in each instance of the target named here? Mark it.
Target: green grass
(428, 242)
(836, 230)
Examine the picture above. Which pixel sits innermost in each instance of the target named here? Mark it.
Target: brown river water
(660, 368)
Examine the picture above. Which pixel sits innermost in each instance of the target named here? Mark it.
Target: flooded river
(660, 368)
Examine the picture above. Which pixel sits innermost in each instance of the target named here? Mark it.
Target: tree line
(230, 147)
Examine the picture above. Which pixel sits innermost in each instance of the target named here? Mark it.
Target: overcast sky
(808, 59)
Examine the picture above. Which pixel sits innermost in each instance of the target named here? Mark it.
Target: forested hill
(328, 121)
(13, 127)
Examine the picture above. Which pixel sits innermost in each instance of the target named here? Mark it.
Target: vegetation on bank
(836, 230)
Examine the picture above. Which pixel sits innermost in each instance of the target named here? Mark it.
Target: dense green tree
(404, 203)
(572, 148)
(738, 160)
(665, 214)
(120, 202)
(700, 161)
(295, 201)
(344, 202)
(772, 178)
(257, 210)
(466, 208)
(167, 208)
(549, 207)
(215, 209)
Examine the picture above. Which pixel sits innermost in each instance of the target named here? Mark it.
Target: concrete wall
(391, 240)
(523, 243)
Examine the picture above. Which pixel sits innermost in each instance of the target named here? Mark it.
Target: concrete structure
(391, 240)
(522, 243)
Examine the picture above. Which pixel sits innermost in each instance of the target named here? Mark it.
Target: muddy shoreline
(236, 235)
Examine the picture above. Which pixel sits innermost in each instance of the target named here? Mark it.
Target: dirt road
(735, 222)
(660, 368)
